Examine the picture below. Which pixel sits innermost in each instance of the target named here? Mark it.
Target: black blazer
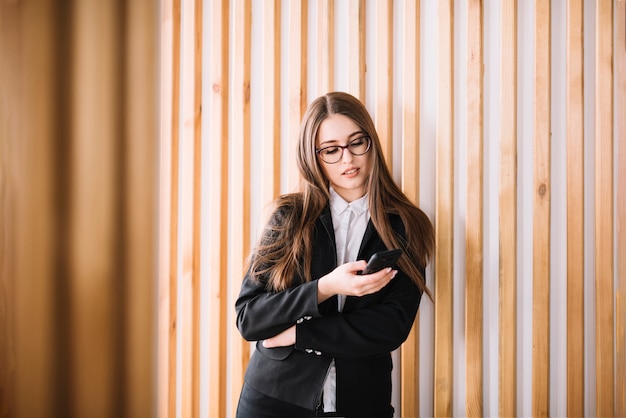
(360, 338)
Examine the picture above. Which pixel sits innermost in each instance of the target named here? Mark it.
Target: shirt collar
(338, 205)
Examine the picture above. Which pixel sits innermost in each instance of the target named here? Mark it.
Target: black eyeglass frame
(344, 147)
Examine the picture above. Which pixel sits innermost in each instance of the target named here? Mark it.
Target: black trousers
(253, 404)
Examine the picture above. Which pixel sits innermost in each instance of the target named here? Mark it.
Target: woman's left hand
(284, 339)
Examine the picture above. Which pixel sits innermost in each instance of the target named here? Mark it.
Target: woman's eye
(330, 151)
(357, 142)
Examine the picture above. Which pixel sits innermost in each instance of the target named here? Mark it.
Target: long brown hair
(284, 249)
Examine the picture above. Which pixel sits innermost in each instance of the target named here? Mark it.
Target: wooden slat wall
(78, 169)
(392, 86)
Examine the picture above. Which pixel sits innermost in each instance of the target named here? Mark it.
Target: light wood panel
(296, 80)
(620, 137)
(269, 90)
(541, 213)
(239, 173)
(604, 270)
(166, 373)
(382, 94)
(474, 216)
(213, 168)
(141, 107)
(189, 207)
(355, 60)
(31, 270)
(172, 290)
(508, 210)
(443, 217)
(409, 372)
(575, 211)
(325, 54)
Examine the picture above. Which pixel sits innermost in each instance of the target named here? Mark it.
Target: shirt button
(308, 351)
(319, 353)
(308, 317)
(300, 320)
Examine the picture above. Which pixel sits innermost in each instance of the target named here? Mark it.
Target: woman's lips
(351, 172)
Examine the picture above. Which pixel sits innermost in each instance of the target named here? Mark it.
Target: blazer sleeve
(376, 324)
(262, 314)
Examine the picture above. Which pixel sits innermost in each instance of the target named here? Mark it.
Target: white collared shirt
(349, 222)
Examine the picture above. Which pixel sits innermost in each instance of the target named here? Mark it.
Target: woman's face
(349, 175)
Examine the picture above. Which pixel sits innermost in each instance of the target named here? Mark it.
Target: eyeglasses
(334, 153)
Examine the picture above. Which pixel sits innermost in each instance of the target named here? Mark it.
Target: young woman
(324, 332)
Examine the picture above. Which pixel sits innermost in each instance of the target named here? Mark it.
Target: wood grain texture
(355, 61)
(409, 373)
(575, 210)
(541, 214)
(172, 291)
(444, 204)
(212, 168)
(604, 267)
(620, 309)
(474, 213)
(296, 83)
(508, 211)
(325, 53)
(269, 129)
(383, 76)
(168, 219)
(239, 174)
(140, 197)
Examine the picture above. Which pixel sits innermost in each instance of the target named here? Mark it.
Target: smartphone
(381, 260)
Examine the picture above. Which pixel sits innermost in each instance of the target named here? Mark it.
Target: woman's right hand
(344, 280)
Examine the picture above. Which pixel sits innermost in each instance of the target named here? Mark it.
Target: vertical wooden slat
(355, 61)
(94, 204)
(620, 308)
(409, 382)
(269, 91)
(541, 214)
(215, 171)
(325, 54)
(142, 158)
(383, 51)
(575, 210)
(474, 225)
(508, 210)
(443, 216)
(10, 104)
(29, 134)
(604, 209)
(168, 180)
(296, 82)
(174, 227)
(239, 210)
(198, 169)
(188, 280)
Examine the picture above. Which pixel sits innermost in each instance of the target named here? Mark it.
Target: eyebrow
(352, 135)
